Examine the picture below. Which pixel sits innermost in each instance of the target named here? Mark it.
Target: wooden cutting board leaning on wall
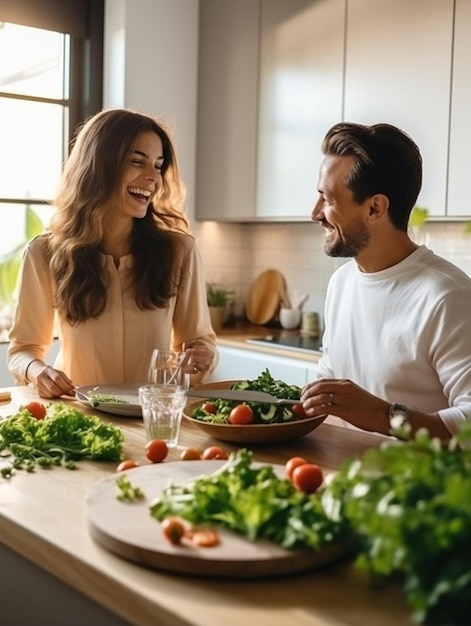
(267, 293)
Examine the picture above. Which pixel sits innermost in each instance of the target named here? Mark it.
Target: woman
(118, 274)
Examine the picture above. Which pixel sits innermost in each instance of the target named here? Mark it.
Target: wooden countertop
(31, 504)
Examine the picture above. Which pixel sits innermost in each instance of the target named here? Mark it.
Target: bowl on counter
(249, 433)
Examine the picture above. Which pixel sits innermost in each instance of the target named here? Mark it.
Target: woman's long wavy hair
(101, 148)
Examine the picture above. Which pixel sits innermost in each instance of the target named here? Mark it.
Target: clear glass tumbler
(162, 410)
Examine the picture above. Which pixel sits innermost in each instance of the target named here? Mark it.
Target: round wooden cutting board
(128, 530)
(267, 293)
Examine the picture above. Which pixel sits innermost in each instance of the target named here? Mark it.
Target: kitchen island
(43, 522)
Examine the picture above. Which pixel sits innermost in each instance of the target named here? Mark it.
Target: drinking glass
(165, 368)
(162, 410)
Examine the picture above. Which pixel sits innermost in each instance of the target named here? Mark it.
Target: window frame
(85, 96)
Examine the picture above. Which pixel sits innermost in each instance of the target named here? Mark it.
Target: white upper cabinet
(301, 81)
(398, 60)
(276, 74)
(459, 203)
(227, 109)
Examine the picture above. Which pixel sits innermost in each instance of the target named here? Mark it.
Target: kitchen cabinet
(301, 82)
(270, 85)
(275, 75)
(460, 128)
(237, 363)
(398, 60)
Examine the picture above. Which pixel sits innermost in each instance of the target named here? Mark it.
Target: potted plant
(220, 300)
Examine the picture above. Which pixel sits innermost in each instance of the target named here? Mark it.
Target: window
(51, 74)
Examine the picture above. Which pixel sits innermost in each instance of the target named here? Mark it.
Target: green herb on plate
(104, 398)
(127, 492)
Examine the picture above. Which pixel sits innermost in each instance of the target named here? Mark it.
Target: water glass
(165, 368)
(162, 410)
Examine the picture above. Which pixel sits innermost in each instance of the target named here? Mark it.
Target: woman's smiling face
(141, 177)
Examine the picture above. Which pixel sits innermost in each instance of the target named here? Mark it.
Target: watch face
(398, 416)
(398, 420)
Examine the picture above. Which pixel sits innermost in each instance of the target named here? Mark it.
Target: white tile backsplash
(235, 254)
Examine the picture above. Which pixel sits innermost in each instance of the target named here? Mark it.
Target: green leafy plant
(218, 295)
(418, 217)
(11, 261)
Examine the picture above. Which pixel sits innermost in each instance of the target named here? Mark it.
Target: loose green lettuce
(66, 435)
(251, 500)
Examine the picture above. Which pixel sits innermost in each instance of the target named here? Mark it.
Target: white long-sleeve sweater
(403, 334)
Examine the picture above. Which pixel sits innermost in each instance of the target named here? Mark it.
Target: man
(397, 341)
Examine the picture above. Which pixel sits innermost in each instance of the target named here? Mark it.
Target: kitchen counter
(236, 337)
(43, 519)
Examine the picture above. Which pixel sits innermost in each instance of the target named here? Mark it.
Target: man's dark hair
(387, 161)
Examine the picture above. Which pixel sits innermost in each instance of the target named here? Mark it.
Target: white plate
(126, 391)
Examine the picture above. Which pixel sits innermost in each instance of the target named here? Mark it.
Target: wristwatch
(398, 416)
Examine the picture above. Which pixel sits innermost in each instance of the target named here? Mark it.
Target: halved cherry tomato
(173, 529)
(214, 452)
(209, 407)
(299, 411)
(293, 463)
(241, 414)
(36, 409)
(190, 454)
(127, 464)
(307, 477)
(156, 450)
(205, 538)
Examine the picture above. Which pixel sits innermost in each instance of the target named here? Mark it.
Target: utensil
(183, 362)
(242, 395)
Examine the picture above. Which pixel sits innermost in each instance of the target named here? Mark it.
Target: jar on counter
(310, 323)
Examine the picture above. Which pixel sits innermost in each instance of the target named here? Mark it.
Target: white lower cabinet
(236, 363)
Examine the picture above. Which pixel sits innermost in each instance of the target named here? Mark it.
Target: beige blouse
(116, 347)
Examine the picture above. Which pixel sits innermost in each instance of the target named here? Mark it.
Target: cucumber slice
(269, 414)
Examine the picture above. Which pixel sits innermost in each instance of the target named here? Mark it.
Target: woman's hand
(49, 382)
(199, 356)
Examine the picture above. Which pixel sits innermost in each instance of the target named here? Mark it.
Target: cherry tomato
(214, 452)
(205, 538)
(307, 477)
(190, 454)
(293, 463)
(127, 464)
(156, 450)
(241, 414)
(299, 411)
(173, 529)
(209, 407)
(36, 409)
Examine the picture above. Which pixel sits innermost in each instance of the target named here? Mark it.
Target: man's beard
(352, 243)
